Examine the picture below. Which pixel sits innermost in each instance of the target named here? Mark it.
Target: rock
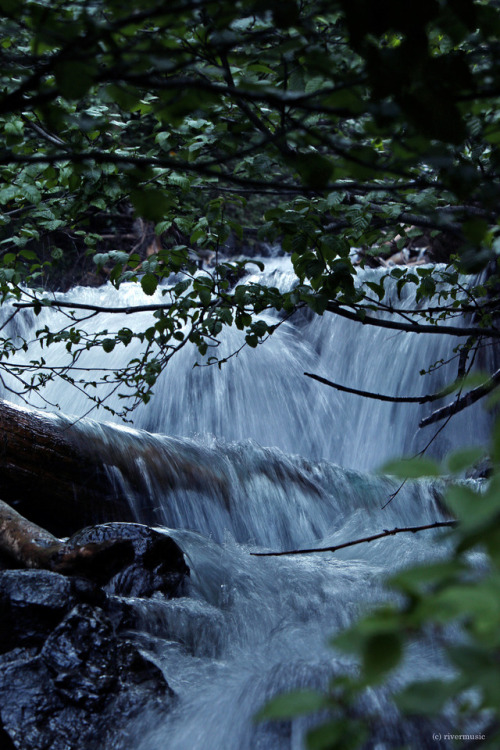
(32, 603)
(83, 689)
(81, 656)
(69, 680)
(158, 562)
(482, 470)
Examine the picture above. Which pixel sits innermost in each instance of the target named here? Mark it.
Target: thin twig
(386, 532)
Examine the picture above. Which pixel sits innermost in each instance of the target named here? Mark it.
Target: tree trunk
(49, 475)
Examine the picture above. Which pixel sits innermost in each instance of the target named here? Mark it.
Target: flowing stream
(249, 459)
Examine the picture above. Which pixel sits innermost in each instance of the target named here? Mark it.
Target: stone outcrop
(71, 677)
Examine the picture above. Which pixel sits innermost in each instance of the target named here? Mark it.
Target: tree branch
(335, 308)
(95, 308)
(50, 137)
(386, 532)
(104, 157)
(462, 403)
(380, 396)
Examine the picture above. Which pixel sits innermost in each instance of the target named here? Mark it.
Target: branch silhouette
(462, 403)
(386, 532)
(380, 396)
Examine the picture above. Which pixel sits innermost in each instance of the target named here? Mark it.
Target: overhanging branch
(335, 308)
(95, 308)
(462, 403)
(379, 396)
(105, 157)
(386, 532)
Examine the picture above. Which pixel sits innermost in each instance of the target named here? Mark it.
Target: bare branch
(386, 532)
(335, 308)
(50, 137)
(380, 396)
(462, 403)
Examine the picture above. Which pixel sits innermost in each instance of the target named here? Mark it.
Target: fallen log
(23, 542)
(51, 476)
(65, 475)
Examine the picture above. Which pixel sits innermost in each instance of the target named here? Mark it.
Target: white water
(263, 394)
(254, 627)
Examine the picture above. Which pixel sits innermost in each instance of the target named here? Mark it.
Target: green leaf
(425, 698)
(31, 193)
(472, 508)
(74, 78)
(125, 335)
(315, 170)
(292, 704)
(475, 230)
(463, 459)
(340, 734)
(108, 345)
(10, 7)
(205, 295)
(417, 579)
(412, 468)
(318, 303)
(152, 205)
(149, 283)
(382, 652)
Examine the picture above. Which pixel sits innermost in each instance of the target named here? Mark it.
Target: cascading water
(253, 627)
(263, 395)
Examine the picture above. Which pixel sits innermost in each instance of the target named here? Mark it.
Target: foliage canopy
(354, 127)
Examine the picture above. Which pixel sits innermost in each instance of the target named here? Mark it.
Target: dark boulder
(157, 563)
(70, 678)
(32, 603)
(82, 690)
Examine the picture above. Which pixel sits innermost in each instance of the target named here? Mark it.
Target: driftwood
(24, 544)
(49, 476)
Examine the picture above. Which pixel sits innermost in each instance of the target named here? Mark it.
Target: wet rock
(158, 562)
(82, 690)
(482, 470)
(81, 656)
(69, 678)
(32, 603)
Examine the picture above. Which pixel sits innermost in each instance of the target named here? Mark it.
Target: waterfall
(263, 394)
(250, 459)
